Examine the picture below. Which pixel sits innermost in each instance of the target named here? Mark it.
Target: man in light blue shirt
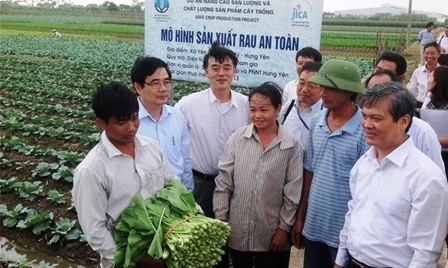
(151, 79)
(336, 141)
(425, 37)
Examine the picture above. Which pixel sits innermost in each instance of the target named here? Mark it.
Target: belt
(204, 177)
(357, 264)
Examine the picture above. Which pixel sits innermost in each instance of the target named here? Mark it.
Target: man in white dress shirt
(212, 116)
(398, 214)
(419, 79)
(423, 135)
(296, 114)
(304, 55)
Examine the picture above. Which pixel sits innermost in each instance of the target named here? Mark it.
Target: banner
(265, 34)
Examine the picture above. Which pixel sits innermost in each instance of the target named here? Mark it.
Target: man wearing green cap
(336, 142)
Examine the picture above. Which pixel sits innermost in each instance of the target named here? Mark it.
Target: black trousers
(249, 259)
(203, 194)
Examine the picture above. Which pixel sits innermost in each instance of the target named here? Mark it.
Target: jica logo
(162, 6)
(301, 11)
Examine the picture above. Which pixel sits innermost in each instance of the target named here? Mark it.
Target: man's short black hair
(402, 102)
(114, 99)
(393, 76)
(220, 53)
(432, 44)
(146, 66)
(399, 61)
(429, 24)
(311, 66)
(309, 52)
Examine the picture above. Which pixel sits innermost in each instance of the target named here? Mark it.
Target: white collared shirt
(106, 181)
(299, 126)
(398, 215)
(426, 140)
(418, 83)
(443, 42)
(210, 127)
(290, 91)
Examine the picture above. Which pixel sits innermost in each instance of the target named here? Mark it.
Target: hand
(149, 262)
(279, 240)
(296, 234)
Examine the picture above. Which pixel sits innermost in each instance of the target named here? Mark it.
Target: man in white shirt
(302, 56)
(442, 40)
(418, 82)
(212, 116)
(121, 166)
(398, 214)
(151, 79)
(296, 114)
(423, 135)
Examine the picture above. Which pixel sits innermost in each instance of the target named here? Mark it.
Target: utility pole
(408, 33)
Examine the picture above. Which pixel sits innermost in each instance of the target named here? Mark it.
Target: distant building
(385, 8)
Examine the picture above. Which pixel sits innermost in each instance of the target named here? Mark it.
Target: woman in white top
(437, 99)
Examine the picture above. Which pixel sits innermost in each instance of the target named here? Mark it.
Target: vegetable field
(46, 124)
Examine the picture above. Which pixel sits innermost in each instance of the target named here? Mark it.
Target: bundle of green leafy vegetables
(169, 226)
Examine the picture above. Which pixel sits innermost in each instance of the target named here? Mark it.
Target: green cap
(339, 74)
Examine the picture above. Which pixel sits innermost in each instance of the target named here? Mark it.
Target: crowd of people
(340, 167)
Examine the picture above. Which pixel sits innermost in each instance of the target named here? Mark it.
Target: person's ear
(402, 78)
(100, 123)
(405, 120)
(137, 87)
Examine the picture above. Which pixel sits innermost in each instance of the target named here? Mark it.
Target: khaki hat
(339, 74)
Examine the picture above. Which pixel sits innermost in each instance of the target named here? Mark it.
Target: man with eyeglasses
(151, 79)
(336, 142)
(304, 55)
(296, 115)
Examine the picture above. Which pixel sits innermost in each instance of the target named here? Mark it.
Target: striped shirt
(330, 157)
(210, 127)
(258, 191)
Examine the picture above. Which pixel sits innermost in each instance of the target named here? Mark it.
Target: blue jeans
(319, 255)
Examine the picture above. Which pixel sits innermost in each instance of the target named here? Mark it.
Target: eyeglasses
(310, 86)
(158, 84)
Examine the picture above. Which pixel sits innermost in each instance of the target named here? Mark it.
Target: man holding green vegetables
(121, 166)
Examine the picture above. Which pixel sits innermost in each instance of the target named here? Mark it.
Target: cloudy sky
(441, 6)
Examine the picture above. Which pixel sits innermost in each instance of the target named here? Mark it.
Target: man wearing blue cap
(336, 142)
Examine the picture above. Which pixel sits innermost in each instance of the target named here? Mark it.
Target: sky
(439, 6)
